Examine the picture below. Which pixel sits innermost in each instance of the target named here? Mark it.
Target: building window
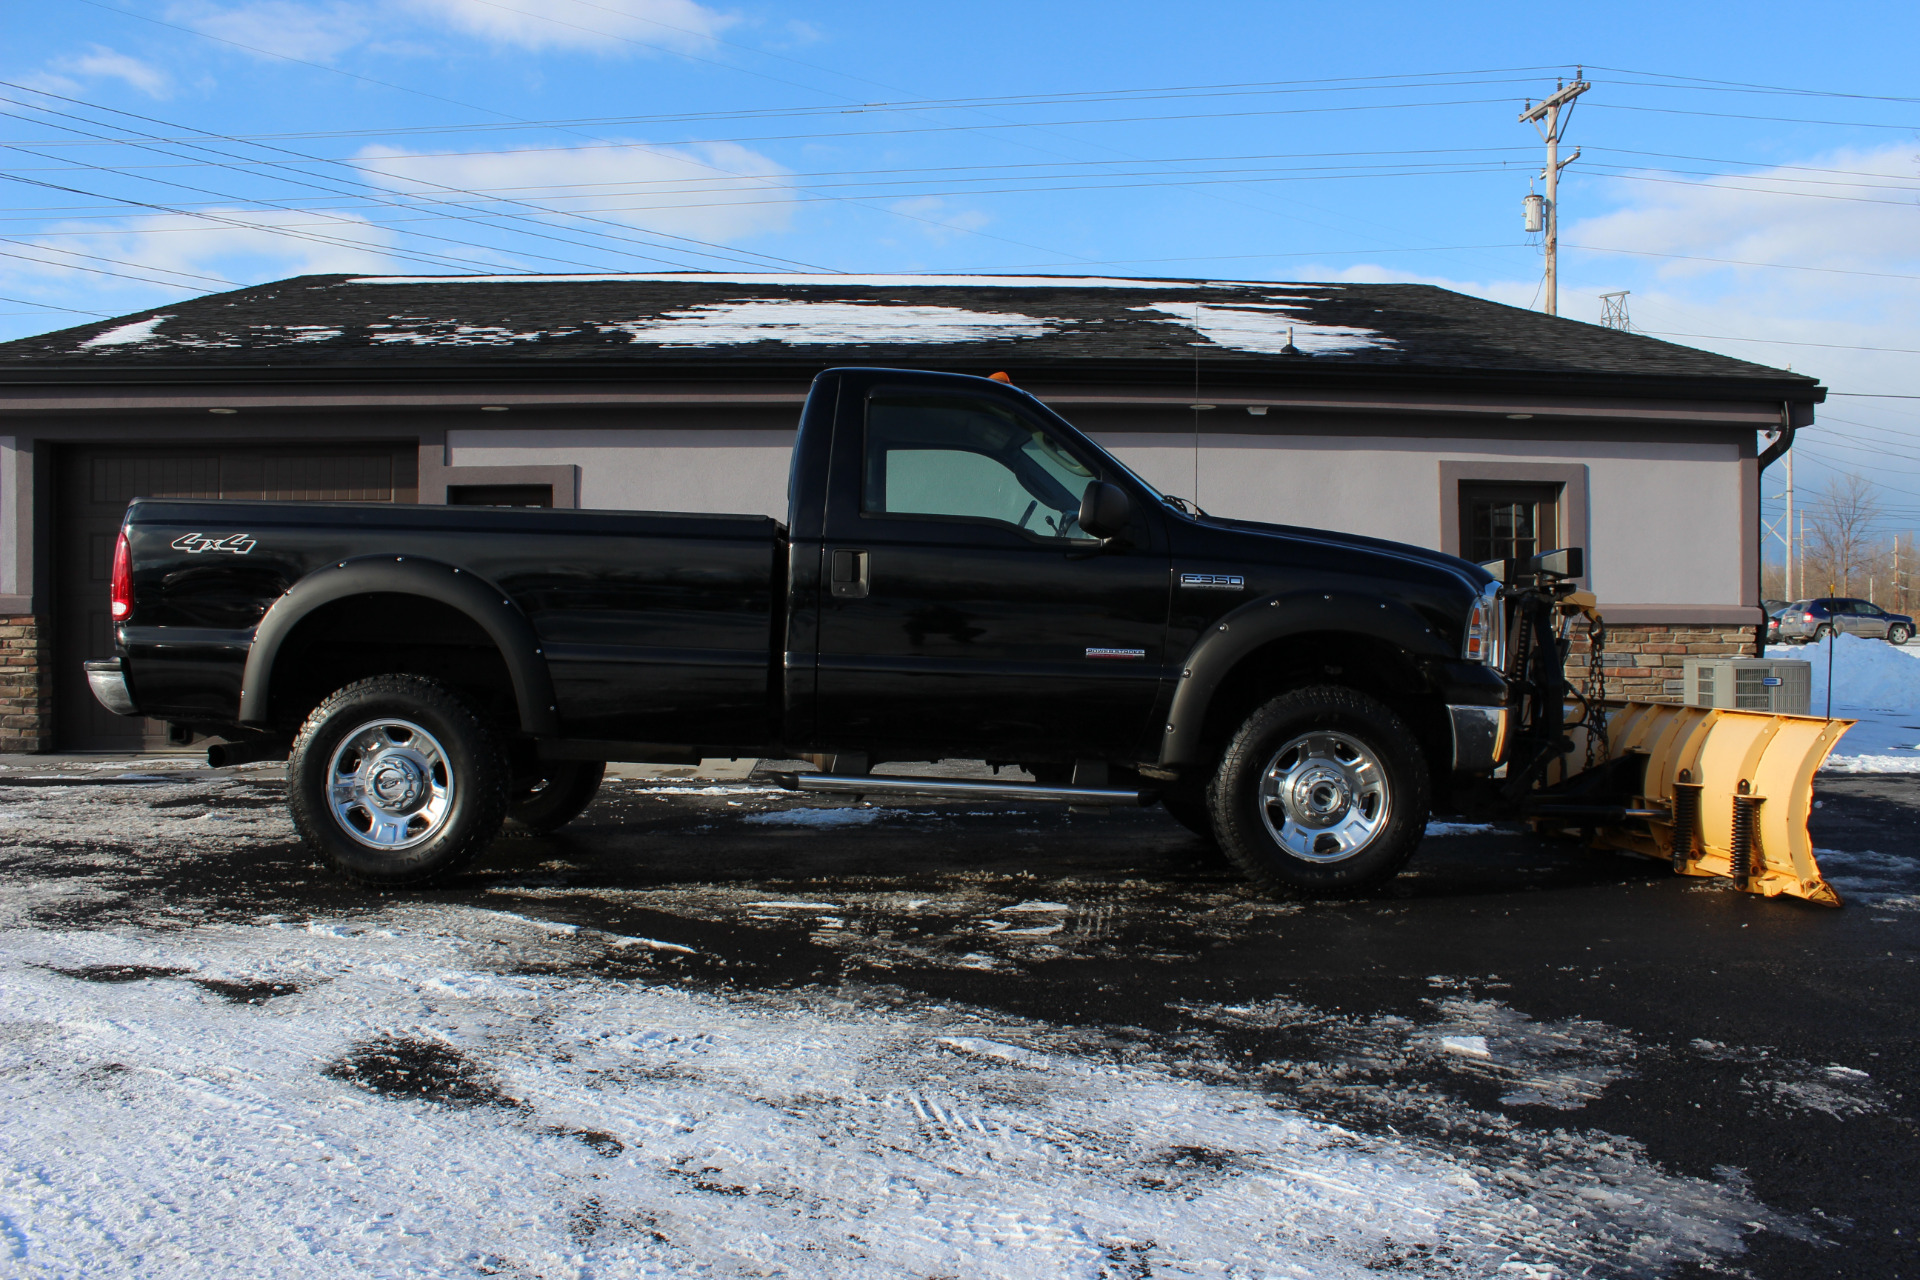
(500, 495)
(1508, 521)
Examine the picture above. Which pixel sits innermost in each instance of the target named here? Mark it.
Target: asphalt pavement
(1540, 1010)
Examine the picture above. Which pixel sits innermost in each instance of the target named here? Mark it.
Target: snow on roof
(1268, 328)
(816, 324)
(124, 334)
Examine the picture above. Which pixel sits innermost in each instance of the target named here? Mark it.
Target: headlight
(1487, 629)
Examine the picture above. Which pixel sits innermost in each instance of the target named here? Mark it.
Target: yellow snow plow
(1723, 793)
(1713, 792)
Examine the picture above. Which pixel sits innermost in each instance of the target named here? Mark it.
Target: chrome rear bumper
(109, 685)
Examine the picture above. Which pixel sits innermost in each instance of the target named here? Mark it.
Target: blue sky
(1751, 173)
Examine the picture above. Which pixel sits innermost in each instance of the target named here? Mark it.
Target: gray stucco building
(1401, 411)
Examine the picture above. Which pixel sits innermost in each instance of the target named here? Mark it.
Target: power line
(48, 306)
(1731, 115)
(725, 255)
(1741, 262)
(98, 271)
(1785, 342)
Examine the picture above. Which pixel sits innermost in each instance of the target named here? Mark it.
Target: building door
(92, 487)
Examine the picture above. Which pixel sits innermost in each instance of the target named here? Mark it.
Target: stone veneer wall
(26, 700)
(1642, 661)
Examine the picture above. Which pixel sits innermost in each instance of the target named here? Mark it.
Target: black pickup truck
(962, 574)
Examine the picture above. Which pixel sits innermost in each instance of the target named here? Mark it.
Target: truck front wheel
(1323, 791)
(396, 780)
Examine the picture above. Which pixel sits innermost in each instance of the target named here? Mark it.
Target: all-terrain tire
(396, 780)
(559, 794)
(1322, 792)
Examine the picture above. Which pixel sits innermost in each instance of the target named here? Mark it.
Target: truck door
(962, 608)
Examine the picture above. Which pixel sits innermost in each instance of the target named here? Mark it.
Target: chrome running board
(959, 788)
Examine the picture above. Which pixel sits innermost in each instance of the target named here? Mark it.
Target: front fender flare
(461, 589)
(1259, 623)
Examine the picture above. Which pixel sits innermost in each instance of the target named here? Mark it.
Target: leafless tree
(1842, 547)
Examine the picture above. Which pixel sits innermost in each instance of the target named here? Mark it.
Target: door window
(959, 458)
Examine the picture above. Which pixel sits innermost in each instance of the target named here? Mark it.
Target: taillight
(1806, 617)
(122, 579)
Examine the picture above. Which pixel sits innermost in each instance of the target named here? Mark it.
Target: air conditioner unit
(1749, 684)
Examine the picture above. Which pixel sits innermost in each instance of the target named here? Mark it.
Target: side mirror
(1568, 562)
(1105, 510)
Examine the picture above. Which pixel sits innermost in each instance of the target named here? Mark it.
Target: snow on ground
(1877, 684)
(447, 1089)
(414, 1092)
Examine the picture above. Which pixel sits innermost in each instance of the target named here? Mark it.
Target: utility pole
(1556, 122)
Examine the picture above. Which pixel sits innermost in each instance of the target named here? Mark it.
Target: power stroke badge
(193, 544)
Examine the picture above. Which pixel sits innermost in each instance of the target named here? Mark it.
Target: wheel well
(1363, 663)
(387, 634)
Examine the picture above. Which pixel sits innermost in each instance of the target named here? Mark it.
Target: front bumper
(1479, 738)
(109, 684)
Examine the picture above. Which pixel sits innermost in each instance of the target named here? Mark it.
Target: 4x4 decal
(194, 543)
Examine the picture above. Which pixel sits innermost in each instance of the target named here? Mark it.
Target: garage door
(92, 488)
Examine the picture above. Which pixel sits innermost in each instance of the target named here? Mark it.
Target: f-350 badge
(193, 544)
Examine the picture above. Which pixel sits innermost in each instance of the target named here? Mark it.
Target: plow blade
(1726, 793)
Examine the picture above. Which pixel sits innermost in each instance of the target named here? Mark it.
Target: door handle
(848, 573)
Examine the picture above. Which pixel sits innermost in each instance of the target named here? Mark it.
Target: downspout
(1779, 447)
(1772, 453)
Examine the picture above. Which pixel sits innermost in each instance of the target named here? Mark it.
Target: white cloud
(1853, 322)
(176, 256)
(313, 32)
(102, 63)
(603, 25)
(321, 32)
(691, 191)
(1850, 209)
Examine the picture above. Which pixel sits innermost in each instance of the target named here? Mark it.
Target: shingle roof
(338, 323)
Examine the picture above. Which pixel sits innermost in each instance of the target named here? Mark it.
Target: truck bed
(657, 626)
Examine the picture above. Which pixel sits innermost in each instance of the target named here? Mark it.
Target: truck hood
(1471, 575)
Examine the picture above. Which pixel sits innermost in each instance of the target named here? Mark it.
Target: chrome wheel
(389, 785)
(1324, 797)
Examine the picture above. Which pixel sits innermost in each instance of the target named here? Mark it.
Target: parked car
(1809, 620)
(1774, 609)
(1774, 606)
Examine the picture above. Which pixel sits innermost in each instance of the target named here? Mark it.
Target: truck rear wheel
(1323, 791)
(396, 780)
(560, 793)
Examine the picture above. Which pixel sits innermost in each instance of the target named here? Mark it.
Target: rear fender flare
(1228, 642)
(461, 589)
